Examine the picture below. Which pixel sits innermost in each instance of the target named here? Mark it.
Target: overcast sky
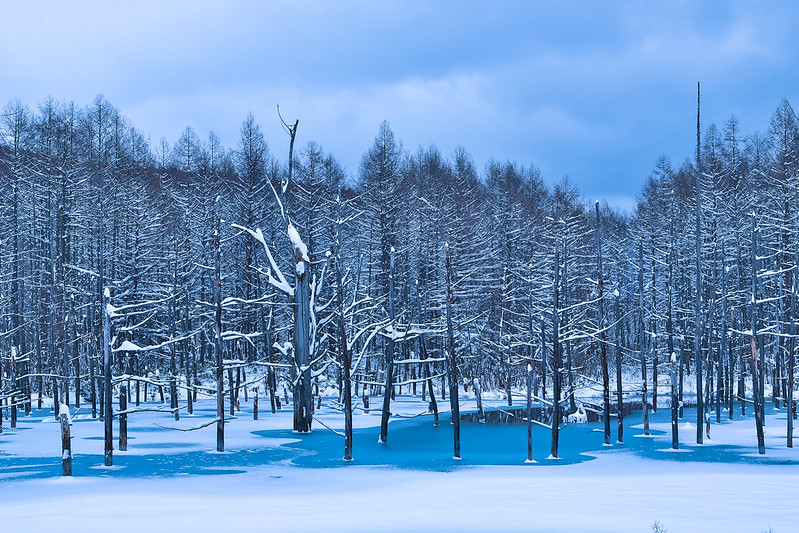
(592, 90)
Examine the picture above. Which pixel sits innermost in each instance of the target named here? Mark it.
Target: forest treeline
(163, 242)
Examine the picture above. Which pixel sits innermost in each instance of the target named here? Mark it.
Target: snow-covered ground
(269, 479)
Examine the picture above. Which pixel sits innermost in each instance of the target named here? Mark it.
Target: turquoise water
(418, 444)
(412, 444)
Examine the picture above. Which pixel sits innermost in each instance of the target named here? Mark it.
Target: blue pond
(417, 444)
(412, 443)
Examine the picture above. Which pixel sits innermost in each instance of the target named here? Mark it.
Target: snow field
(721, 486)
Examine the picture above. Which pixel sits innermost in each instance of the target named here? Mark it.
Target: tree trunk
(478, 394)
(108, 414)
(675, 435)
(92, 367)
(344, 354)
(389, 356)
(66, 443)
(700, 409)
(791, 356)
(123, 419)
(453, 364)
(529, 413)
(173, 369)
(13, 396)
(672, 356)
(556, 354)
(220, 377)
(603, 335)
(188, 353)
(721, 382)
(255, 405)
(756, 370)
(642, 337)
(619, 397)
(303, 391)
(653, 322)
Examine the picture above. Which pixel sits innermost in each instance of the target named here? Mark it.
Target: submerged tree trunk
(344, 354)
(389, 356)
(478, 395)
(173, 370)
(428, 384)
(453, 364)
(603, 335)
(220, 375)
(303, 387)
(700, 409)
(619, 397)
(529, 413)
(672, 356)
(791, 356)
(724, 348)
(108, 413)
(556, 354)
(675, 435)
(756, 370)
(189, 354)
(641, 337)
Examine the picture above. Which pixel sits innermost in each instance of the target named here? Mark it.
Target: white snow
(297, 243)
(128, 346)
(579, 416)
(619, 491)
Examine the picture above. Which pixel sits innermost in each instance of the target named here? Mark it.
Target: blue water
(412, 444)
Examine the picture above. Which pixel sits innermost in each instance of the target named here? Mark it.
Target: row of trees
(217, 262)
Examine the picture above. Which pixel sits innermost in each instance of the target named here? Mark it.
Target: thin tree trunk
(756, 371)
(565, 304)
(92, 369)
(173, 370)
(603, 335)
(556, 354)
(675, 435)
(344, 354)
(108, 413)
(453, 364)
(13, 397)
(700, 409)
(676, 402)
(529, 413)
(188, 354)
(642, 336)
(255, 404)
(478, 394)
(791, 356)
(123, 419)
(220, 379)
(619, 391)
(653, 322)
(723, 347)
(389, 356)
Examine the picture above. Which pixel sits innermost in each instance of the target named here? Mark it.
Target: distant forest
(178, 266)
